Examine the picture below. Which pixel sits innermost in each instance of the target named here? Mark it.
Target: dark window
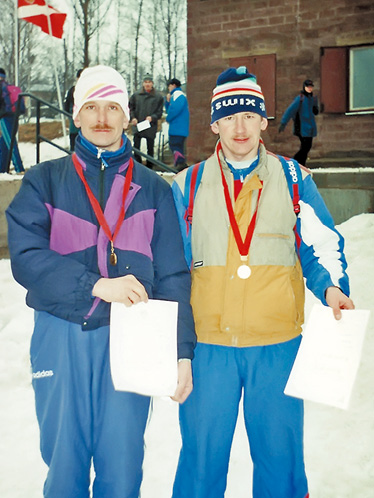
(346, 76)
(264, 67)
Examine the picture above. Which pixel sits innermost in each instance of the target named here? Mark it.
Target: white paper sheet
(143, 347)
(143, 125)
(329, 356)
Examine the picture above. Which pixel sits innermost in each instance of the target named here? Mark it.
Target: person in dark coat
(302, 111)
(145, 105)
(68, 107)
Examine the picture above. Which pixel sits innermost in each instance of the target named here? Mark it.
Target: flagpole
(16, 47)
(57, 83)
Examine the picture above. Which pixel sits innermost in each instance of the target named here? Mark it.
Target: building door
(264, 68)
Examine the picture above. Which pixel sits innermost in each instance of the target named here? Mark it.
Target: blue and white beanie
(236, 91)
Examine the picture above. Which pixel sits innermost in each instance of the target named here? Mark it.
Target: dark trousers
(72, 137)
(176, 143)
(305, 146)
(6, 125)
(150, 148)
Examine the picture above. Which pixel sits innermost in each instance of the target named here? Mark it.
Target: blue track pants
(82, 418)
(273, 421)
(6, 125)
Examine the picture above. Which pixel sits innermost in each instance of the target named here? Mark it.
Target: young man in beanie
(248, 298)
(146, 105)
(86, 231)
(302, 110)
(178, 117)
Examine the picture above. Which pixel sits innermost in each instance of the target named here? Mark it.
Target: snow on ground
(339, 444)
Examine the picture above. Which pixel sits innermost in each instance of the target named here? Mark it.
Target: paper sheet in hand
(143, 125)
(329, 356)
(143, 347)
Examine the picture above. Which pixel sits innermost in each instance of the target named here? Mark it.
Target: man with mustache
(249, 251)
(86, 231)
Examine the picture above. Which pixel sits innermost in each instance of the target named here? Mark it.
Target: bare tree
(7, 38)
(137, 36)
(91, 16)
(142, 36)
(172, 14)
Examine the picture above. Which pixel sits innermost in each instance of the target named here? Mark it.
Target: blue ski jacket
(306, 106)
(178, 114)
(58, 250)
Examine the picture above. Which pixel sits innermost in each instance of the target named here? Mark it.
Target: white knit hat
(100, 83)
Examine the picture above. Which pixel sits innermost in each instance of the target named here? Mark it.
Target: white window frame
(361, 82)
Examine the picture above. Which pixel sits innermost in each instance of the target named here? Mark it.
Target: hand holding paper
(185, 385)
(143, 125)
(127, 290)
(329, 356)
(338, 301)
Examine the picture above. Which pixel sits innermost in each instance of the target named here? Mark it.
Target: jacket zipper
(101, 186)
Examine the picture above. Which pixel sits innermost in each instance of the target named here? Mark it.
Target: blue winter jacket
(58, 251)
(307, 107)
(178, 114)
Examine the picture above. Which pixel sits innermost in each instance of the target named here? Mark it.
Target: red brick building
(285, 42)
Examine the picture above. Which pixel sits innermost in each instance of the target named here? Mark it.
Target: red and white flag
(37, 12)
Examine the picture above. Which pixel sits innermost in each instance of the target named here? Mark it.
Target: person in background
(302, 110)
(178, 117)
(146, 104)
(7, 117)
(68, 107)
(249, 253)
(84, 231)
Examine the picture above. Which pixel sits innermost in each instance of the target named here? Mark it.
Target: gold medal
(113, 255)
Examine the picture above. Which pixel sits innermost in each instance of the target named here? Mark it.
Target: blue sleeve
(291, 111)
(176, 107)
(57, 283)
(321, 249)
(172, 276)
(184, 226)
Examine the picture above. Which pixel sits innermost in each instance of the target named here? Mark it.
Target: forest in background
(135, 37)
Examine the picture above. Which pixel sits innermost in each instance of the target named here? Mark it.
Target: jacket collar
(261, 168)
(93, 157)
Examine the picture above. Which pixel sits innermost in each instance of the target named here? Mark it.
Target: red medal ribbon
(97, 208)
(243, 246)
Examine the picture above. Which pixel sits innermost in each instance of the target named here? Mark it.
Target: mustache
(101, 127)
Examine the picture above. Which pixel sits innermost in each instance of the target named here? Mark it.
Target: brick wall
(295, 31)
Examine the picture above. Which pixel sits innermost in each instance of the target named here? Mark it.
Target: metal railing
(40, 138)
